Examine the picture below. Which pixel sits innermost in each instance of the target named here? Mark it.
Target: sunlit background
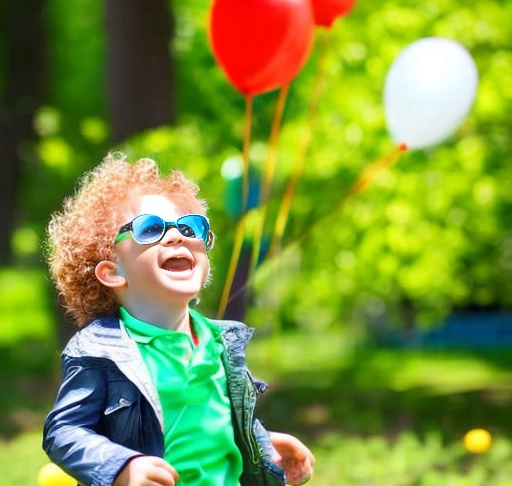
(382, 302)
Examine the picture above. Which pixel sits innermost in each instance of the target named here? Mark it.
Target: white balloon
(428, 91)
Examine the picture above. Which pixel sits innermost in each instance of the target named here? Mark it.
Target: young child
(153, 393)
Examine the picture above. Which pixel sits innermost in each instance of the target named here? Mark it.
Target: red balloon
(261, 44)
(327, 11)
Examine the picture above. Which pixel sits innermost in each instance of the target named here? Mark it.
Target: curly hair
(82, 234)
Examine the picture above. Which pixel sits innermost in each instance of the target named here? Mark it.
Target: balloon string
(305, 142)
(268, 175)
(239, 232)
(371, 171)
(245, 152)
(362, 182)
(235, 256)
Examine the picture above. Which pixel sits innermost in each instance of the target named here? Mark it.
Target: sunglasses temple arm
(122, 236)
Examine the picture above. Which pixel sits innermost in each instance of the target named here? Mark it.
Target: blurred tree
(139, 65)
(23, 86)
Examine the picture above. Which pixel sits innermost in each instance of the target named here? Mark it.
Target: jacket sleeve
(72, 435)
(268, 452)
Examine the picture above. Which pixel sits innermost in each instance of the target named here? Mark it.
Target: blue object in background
(233, 193)
(461, 330)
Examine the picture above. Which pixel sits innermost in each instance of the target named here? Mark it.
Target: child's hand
(147, 470)
(296, 459)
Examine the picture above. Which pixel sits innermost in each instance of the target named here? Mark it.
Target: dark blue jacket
(108, 411)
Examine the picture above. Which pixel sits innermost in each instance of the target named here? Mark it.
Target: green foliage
(76, 48)
(429, 234)
(24, 300)
(430, 230)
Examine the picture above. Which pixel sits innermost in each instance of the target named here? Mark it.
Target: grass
(389, 417)
(371, 415)
(21, 459)
(408, 461)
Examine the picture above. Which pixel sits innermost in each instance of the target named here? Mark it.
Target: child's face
(167, 273)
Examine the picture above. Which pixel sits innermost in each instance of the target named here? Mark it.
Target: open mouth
(179, 264)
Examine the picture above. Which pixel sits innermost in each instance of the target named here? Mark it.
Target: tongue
(177, 265)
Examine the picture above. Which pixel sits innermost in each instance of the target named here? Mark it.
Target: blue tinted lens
(194, 226)
(148, 228)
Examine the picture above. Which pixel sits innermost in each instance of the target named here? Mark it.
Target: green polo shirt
(191, 383)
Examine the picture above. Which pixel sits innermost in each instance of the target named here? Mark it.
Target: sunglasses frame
(126, 230)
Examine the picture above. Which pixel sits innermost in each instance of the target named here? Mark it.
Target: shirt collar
(143, 332)
(140, 331)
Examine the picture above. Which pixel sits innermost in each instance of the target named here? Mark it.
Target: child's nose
(172, 236)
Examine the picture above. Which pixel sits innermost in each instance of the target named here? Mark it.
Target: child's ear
(210, 241)
(110, 274)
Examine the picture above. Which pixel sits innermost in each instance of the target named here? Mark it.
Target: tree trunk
(139, 74)
(21, 23)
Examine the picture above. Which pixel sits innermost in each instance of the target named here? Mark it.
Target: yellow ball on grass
(52, 475)
(477, 441)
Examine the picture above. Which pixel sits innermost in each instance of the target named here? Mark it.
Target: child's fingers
(163, 473)
(297, 472)
(147, 471)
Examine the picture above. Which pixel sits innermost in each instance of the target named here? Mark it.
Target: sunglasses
(147, 229)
